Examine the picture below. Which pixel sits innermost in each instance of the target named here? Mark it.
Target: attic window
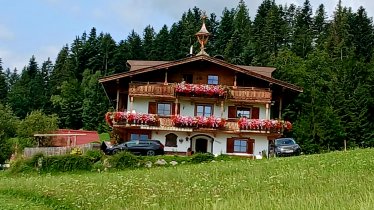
(212, 79)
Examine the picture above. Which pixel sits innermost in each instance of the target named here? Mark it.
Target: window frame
(249, 109)
(240, 145)
(166, 140)
(163, 115)
(213, 81)
(205, 105)
(139, 132)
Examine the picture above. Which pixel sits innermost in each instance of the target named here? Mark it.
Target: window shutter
(230, 145)
(231, 112)
(255, 113)
(173, 108)
(152, 106)
(250, 144)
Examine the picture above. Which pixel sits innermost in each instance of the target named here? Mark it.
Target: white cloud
(6, 33)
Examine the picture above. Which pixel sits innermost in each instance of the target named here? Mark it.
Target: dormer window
(212, 80)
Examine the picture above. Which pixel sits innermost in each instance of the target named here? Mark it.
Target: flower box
(131, 118)
(201, 90)
(261, 124)
(199, 122)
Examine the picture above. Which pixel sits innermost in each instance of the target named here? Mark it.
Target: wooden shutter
(152, 108)
(231, 112)
(255, 113)
(173, 108)
(230, 145)
(250, 143)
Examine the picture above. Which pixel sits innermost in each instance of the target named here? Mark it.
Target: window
(136, 136)
(243, 112)
(212, 79)
(204, 110)
(187, 78)
(240, 145)
(171, 140)
(164, 109)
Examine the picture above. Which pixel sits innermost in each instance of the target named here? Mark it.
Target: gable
(141, 67)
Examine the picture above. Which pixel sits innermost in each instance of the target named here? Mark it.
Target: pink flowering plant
(131, 118)
(261, 124)
(201, 90)
(199, 122)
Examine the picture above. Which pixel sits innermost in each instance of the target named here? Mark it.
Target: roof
(139, 67)
(139, 64)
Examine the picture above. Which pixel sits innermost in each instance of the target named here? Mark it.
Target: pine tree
(225, 31)
(162, 45)
(95, 103)
(62, 70)
(135, 46)
(69, 102)
(3, 85)
(361, 30)
(148, 43)
(320, 27)
(303, 35)
(121, 55)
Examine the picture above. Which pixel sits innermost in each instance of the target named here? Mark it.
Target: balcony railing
(187, 123)
(240, 94)
(250, 94)
(152, 90)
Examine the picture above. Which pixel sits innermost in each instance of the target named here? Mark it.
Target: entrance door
(201, 145)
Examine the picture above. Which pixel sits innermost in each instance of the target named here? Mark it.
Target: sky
(42, 27)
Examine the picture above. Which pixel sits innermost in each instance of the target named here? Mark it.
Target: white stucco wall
(219, 143)
(140, 105)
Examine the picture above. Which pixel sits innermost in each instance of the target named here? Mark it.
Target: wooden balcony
(152, 90)
(250, 94)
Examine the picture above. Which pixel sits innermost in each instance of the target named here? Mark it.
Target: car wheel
(151, 153)
(115, 151)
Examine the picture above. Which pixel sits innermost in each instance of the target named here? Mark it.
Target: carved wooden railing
(152, 90)
(250, 94)
(239, 94)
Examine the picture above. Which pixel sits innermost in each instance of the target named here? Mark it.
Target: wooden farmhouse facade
(199, 103)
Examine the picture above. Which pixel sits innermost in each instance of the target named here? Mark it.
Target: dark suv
(286, 147)
(137, 147)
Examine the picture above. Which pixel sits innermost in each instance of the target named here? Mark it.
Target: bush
(202, 157)
(22, 165)
(94, 155)
(66, 163)
(124, 160)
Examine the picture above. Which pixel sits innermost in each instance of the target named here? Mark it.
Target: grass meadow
(338, 180)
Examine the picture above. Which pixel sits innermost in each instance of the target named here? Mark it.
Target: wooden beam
(280, 108)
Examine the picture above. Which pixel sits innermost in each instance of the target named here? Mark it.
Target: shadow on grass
(38, 198)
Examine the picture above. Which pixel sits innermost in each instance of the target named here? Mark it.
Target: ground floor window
(240, 145)
(171, 140)
(138, 135)
(135, 136)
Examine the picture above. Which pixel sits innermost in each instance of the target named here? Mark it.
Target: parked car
(286, 147)
(137, 147)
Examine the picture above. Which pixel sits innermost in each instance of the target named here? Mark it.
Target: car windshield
(284, 142)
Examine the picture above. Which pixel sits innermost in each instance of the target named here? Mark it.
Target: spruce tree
(3, 85)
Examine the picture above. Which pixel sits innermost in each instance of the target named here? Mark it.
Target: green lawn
(339, 180)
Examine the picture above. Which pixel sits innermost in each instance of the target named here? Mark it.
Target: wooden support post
(222, 109)
(131, 103)
(176, 106)
(117, 102)
(235, 81)
(267, 110)
(166, 78)
(345, 145)
(280, 108)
